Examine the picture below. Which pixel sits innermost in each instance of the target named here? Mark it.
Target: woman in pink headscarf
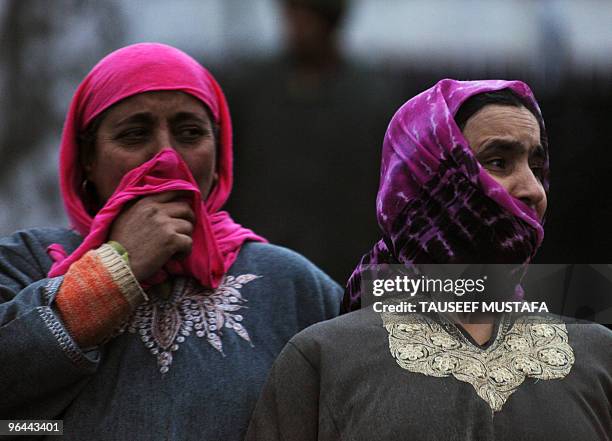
(155, 316)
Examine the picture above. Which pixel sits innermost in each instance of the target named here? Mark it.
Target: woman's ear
(87, 170)
(86, 157)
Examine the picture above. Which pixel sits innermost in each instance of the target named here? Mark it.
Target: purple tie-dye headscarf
(435, 203)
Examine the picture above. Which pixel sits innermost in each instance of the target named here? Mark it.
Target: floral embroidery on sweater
(535, 347)
(164, 323)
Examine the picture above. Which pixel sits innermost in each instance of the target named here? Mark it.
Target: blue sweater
(188, 367)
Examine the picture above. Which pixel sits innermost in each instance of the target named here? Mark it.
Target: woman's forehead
(163, 101)
(495, 120)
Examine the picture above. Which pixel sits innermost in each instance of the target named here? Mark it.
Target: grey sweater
(352, 378)
(188, 367)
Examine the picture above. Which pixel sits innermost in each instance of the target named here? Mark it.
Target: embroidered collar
(531, 346)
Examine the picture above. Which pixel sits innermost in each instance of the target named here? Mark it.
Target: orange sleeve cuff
(98, 293)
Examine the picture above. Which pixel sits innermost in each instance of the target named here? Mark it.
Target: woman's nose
(528, 188)
(162, 139)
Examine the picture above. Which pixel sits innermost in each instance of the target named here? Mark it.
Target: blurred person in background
(464, 179)
(155, 316)
(307, 123)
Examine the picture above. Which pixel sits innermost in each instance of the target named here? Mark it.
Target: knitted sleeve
(98, 293)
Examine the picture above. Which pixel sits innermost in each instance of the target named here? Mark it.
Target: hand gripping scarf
(435, 203)
(135, 69)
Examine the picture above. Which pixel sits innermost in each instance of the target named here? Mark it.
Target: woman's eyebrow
(142, 117)
(513, 147)
(148, 118)
(503, 146)
(538, 152)
(188, 116)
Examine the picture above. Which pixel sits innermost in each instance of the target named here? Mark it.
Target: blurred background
(312, 85)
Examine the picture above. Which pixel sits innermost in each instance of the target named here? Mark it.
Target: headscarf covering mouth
(129, 71)
(436, 204)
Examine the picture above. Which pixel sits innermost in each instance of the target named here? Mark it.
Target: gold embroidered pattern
(534, 347)
(164, 323)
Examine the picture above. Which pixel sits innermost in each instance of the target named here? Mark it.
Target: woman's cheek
(501, 180)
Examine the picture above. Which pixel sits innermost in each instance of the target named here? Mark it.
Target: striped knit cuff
(98, 294)
(122, 275)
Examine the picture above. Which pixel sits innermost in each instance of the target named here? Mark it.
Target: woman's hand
(153, 230)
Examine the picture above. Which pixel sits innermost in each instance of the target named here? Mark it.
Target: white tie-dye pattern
(402, 196)
(426, 167)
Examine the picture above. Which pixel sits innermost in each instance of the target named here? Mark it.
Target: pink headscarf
(126, 72)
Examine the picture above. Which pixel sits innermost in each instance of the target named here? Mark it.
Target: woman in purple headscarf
(464, 179)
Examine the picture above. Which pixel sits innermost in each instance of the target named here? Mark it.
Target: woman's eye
(496, 163)
(191, 133)
(538, 172)
(132, 136)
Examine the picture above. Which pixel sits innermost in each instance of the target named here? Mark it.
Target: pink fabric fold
(135, 69)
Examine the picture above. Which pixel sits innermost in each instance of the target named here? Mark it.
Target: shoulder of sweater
(345, 329)
(279, 259)
(42, 237)
(591, 335)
